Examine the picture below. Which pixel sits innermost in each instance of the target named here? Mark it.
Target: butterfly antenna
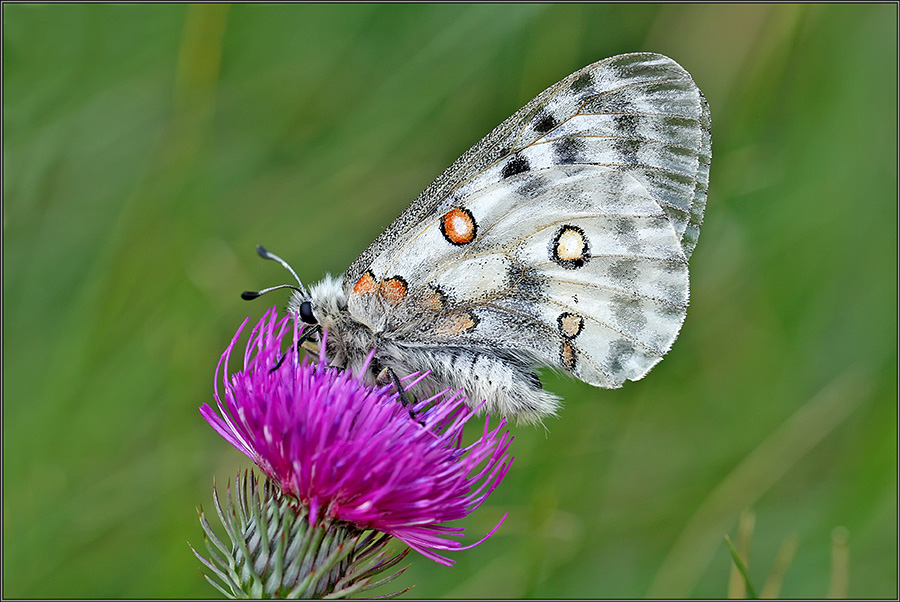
(265, 254)
(250, 295)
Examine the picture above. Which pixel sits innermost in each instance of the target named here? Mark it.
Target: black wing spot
(568, 151)
(620, 352)
(581, 83)
(526, 279)
(627, 123)
(547, 123)
(627, 150)
(533, 186)
(516, 165)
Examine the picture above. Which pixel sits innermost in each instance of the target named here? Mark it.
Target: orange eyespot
(458, 226)
(366, 284)
(570, 325)
(567, 355)
(457, 324)
(394, 290)
(432, 300)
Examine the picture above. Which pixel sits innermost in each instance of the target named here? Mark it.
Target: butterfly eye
(306, 313)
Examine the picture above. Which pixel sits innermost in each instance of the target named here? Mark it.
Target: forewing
(639, 112)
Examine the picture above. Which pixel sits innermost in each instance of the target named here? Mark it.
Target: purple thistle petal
(351, 452)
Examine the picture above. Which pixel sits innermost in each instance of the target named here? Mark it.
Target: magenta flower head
(350, 453)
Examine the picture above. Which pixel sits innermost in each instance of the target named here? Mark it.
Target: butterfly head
(301, 303)
(349, 343)
(323, 306)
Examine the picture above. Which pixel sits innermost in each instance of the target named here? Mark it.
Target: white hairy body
(507, 387)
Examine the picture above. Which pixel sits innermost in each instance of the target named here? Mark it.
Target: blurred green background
(147, 149)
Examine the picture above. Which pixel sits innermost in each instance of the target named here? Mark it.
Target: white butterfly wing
(640, 97)
(562, 237)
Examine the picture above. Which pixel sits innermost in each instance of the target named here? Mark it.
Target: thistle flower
(350, 454)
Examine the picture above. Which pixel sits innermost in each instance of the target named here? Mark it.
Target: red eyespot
(458, 226)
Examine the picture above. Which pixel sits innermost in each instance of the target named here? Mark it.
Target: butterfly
(560, 240)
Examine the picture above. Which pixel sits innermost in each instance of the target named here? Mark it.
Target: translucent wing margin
(640, 113)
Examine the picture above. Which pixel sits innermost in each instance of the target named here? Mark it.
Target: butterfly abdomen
(504, 384)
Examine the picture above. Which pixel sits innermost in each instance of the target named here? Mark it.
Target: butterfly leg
(303, 338)
(403, 398)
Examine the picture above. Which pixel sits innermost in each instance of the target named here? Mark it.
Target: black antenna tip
(261, 251)
(249, 295)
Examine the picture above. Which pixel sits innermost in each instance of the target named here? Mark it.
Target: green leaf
(751, 593)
